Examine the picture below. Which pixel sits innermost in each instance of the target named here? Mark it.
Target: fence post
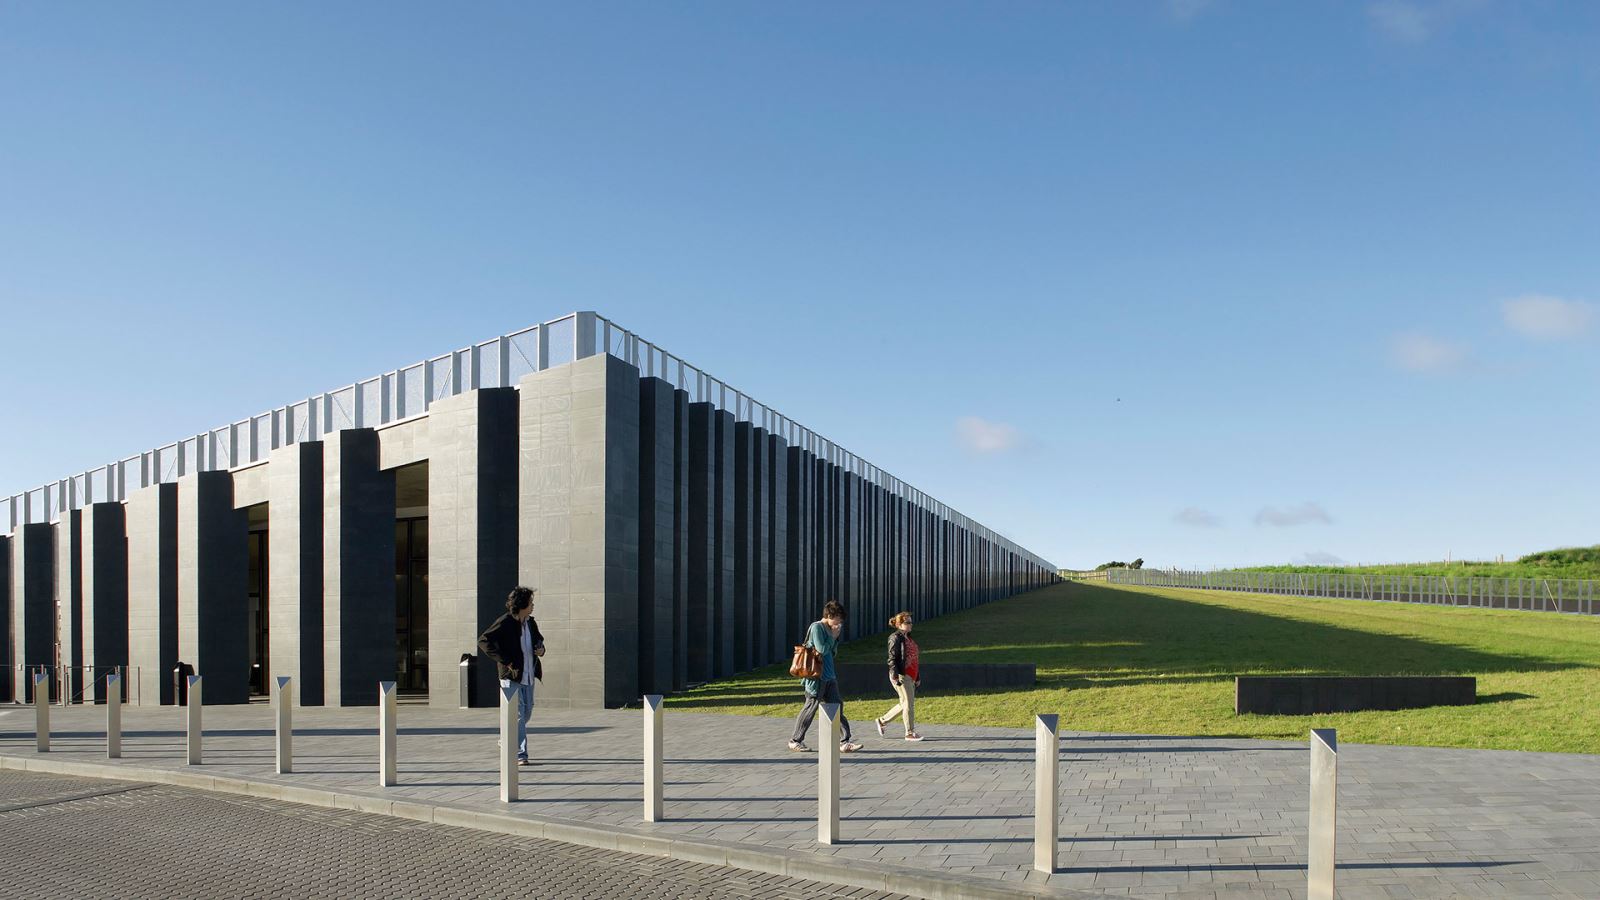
(1046, 793)
(283, 705)
(508, 743)
(828, 776)
(41, 711)
(652, 758)
(386, 742)
(1324, 803)
(113, 716)
(193, 711)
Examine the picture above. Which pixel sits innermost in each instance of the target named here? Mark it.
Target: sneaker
(848, 746)
(913, 736)
(524, 761)
(799, 747)
(879, 723)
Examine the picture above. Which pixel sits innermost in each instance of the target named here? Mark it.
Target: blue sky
(1207, 283)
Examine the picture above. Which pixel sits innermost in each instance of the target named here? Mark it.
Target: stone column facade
(152, 520)
(105, 591)
(579, 535)
(473, 475)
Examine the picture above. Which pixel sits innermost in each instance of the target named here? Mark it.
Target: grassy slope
(1162, 661)
(1571, 562)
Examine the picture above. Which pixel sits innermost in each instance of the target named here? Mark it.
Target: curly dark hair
(521, 598)
(833, 609)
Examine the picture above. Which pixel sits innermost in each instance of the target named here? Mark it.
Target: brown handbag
(807, 662)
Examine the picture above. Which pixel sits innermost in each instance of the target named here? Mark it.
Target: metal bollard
(652, 758)
(508, 743)
(41, 711)
(828, 775)
(283, 705)
(1324, 804)
(1046, 791)
(386, 766)
(195, 705)
(113, 716)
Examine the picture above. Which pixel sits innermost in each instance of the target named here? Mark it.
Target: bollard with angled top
(41, 711)
(283, 705)
(652, 758)
(1046, 793)
(113, 716)
(508, 744)
(386, 768)
(828, 775)
(195, 705)
(1324, 802)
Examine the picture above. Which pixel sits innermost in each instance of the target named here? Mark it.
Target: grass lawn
(1162, 661)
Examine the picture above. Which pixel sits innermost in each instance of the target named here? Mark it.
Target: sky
(1202, 283)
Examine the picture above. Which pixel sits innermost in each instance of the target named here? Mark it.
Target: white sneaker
(848, 746)
(879, 723)
(799, 747)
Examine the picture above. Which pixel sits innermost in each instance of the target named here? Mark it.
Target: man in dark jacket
(515, 645)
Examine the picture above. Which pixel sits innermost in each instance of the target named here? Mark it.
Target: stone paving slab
(1142, 816)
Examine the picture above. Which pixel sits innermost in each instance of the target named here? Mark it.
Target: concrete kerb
(768, 860)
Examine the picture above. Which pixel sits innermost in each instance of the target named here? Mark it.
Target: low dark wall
(1299, 695)
(858, 680)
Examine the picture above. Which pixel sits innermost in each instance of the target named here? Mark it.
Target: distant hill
(1567, 562)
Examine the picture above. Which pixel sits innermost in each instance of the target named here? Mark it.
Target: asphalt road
(80, 837)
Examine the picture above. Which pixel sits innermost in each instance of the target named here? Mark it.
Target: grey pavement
(91, 838)
(1143, 816)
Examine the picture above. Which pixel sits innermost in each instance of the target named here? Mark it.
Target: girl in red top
(903, 675)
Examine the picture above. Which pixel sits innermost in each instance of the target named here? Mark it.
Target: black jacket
(503, 644)
(897, 652)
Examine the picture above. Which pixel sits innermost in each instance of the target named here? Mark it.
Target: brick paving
(1142, 816)
(90, 838)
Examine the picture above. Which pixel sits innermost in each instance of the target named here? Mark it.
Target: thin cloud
(1195, 517)
(1408, 23)
(1548, 318)
(982, 436)
(1289, 516)
(1428, 355)
(1412, 22)
(1319, 558)
(1187, 10)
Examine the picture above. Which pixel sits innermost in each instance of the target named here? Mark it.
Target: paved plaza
(1142, 816)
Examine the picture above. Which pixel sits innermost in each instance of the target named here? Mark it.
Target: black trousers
(829, 693)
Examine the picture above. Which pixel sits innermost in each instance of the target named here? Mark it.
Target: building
(676, 530)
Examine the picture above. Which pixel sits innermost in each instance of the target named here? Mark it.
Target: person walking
(823, 636)
(904, 676)
(515, 645)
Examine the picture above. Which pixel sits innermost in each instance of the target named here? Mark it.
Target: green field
(1162, 661)
(1568, 562)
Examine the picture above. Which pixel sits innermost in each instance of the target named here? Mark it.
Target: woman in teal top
(823, 636)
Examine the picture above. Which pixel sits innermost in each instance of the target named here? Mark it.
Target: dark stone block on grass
(1302, 695)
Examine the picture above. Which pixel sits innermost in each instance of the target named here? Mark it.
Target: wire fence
(1563, 595)
(1084, 575)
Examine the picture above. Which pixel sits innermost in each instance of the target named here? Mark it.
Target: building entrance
(256, 590)
(411, 604)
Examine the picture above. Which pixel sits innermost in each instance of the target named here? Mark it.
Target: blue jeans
(524, 710)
